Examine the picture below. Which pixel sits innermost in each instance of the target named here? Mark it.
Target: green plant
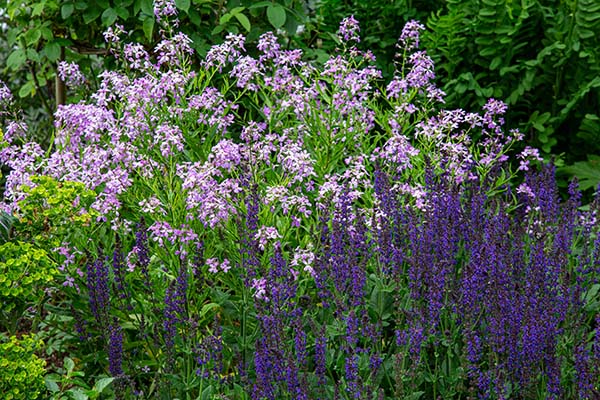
(21, 371)
(71, 385)
(541, 57)
(24, 273)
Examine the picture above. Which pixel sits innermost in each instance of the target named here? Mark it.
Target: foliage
(24, 273)
(21, 371)
(540, 57)
(52, 209)
(71, 385)
(258, 226)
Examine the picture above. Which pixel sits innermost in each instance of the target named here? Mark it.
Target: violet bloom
(409, 39)
(349, 29)
(164, 9)
(5, 95)
(115, 350)
(14, 130)
(70, 74)
(98, 289)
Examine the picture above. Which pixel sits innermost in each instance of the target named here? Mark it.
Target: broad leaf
(276, 15)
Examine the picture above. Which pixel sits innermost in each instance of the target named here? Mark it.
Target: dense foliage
(264, 227)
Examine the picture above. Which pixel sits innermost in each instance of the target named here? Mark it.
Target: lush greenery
(259, 224)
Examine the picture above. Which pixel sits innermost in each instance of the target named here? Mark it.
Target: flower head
(349, 29)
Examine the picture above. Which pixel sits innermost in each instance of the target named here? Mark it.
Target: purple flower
(137, 56)
(175, 308)
(267, 43)
(219, 55)
(97, 277)
(409, 39)
(115, 350)
(15, 130)
(164, 9)
(70, 74)
(5, 95)
(349, 30)
(173, 51)
(169, 139)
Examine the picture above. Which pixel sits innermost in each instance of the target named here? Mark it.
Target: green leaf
(101, 384)
(77, 394)
(183, 5)
(148, 7)
(32, 55)
(122, 12)
(6, 223)
(148, 27)
(38, 9)
(69, 364)
(52, 51)
(66, 10)
(32, 36)
(218, 29)
(225, 19)
(27, 89)
(207, 307)
(91, 14)
(244, 21)
(109, 16)
(51, 384)
(260, 4)
(276, 15)
(16, 59)
(587, 172)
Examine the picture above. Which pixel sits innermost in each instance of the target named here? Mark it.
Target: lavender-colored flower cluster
(70, 74)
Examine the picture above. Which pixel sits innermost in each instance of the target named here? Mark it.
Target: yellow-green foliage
(21, 371)
(52, 209)
(24, 272)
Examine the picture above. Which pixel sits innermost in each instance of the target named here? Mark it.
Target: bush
(21, 371)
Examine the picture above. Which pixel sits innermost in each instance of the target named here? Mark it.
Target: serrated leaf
(109, 16)
(16, 59)
(52, 51)
(244, 21)
(66, 10)
(183, 5)
(276, 15)
(148, 27)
